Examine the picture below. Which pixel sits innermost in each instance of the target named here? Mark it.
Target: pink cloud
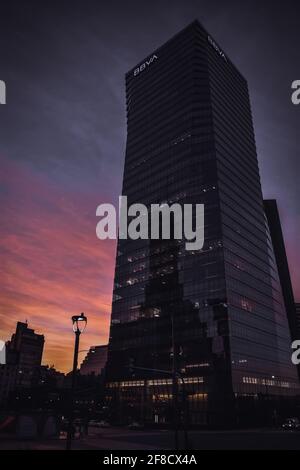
(53, 266)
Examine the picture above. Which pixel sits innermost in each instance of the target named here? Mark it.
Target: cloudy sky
(62, 140)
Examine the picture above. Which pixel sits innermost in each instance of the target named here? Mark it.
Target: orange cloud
(53, 266)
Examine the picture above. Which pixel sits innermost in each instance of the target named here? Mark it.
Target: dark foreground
(122, 438)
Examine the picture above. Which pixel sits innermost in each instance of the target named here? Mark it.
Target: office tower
(23, 357)
(274, 224)
(26, 347)
(219, 310)
(95, 360)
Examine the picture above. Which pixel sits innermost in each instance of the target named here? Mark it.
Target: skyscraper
(220, 310)
(274, 224)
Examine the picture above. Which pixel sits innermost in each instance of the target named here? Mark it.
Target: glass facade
(190, 140)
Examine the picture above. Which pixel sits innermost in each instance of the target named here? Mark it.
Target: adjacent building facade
(274, 224)
(95, 361)
(220, 309)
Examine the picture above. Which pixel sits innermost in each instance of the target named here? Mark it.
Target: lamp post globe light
(79, 323)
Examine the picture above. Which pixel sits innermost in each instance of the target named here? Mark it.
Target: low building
(95, 361)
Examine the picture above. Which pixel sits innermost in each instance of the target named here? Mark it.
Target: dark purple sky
(62, 138)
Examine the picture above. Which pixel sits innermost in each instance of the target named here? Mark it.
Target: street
(124, 439)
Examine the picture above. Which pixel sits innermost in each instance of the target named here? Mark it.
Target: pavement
(125, 439)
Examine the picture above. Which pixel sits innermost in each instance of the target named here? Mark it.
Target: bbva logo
(145, 65)
(216, 47)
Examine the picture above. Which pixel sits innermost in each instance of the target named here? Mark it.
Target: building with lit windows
(220, 309)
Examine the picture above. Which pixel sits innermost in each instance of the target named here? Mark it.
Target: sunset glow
(54, 266)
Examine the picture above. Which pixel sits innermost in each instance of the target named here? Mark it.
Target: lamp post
(79, 323)
(175, 383)
(268, 404)
(267, 385)
(176, 375)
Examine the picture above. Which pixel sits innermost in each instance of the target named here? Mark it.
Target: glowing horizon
(54, 266)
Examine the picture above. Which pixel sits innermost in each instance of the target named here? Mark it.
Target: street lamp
(175, 382)
(79, 323)
(176, 374)
(266, 380)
